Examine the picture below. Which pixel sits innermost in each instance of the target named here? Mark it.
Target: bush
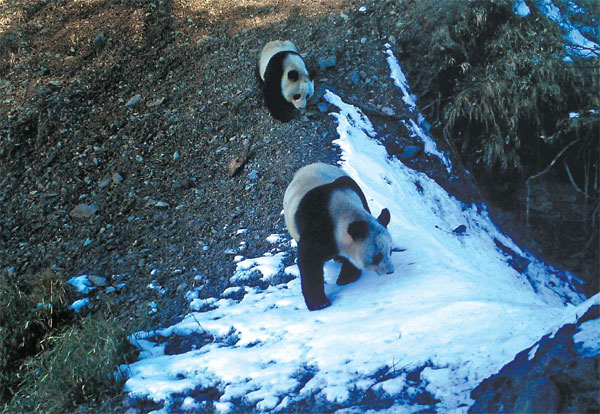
(503, 88)
(49, 361)
(25, 321)
(81, 365)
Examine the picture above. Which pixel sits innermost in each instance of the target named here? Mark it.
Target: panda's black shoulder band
(347, 182)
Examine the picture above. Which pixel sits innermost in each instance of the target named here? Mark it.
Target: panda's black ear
(384, 217)
(293, 75)
(358, 229)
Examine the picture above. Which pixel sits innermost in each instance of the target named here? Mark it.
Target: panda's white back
(271, 49)
(305, 179)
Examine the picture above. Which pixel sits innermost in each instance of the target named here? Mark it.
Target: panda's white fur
(285, 79)
(338, 206)
(270, 50)
(305, 179)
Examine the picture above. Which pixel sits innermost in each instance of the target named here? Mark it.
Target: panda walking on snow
(327, 214)
(286, 83)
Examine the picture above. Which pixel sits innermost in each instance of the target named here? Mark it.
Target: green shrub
(80, 365)
(25, 321)
(49, 361)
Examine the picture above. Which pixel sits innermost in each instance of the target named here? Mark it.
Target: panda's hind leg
(349, 272)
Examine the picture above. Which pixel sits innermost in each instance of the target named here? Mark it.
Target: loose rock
(327, 63)
(134, 101)
(84, 210)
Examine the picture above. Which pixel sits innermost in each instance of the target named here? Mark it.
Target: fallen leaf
(238, 162)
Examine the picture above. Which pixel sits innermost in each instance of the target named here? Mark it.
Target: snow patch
(587, 338)
(268, 266)
(521, 9)
(420, 128)
(82, 284)
(78, 305)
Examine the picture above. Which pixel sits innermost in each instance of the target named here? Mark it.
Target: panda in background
(286, 83)
(327, 214)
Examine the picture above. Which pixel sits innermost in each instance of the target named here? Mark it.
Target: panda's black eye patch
(293, 75)
(296, 97)
(377, 259)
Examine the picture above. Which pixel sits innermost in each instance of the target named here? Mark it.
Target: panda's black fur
(317, 235)
(279, 108)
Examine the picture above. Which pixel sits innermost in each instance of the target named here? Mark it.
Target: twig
(572, 180)
(544, 171)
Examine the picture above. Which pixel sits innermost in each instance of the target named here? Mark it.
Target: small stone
(355, 77)
(161, 204)
(409, 152)
(117, 178)
(134, 101)
(84, 210)
(253, 175)
(176, 155)
(322, 107)
(105, 182)
(388, 111)
(156, 102)
(327, 63)
(98, 280)
(99, 43)
(460, 229)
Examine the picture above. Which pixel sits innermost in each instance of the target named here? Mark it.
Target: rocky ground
(120, 118)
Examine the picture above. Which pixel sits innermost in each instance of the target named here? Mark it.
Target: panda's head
(296, 84)
(371, 244)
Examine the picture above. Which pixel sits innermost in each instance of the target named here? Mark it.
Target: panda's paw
(348, 274)
(318, 305)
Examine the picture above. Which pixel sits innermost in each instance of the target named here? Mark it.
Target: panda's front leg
(310, 262)
(349, 272)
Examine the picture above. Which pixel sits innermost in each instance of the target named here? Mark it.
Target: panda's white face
(299, 92)
(296, 85)
(373, 252)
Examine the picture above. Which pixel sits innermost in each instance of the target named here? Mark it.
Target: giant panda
(327, 214)
(286, 83)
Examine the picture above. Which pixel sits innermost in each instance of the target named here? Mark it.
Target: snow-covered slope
(464, 300)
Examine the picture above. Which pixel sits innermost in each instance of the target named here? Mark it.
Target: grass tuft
(50, 361)
(80, 366)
